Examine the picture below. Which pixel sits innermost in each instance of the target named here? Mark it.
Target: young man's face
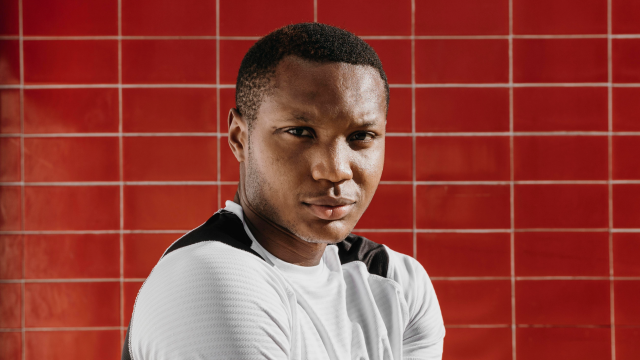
(316, 148)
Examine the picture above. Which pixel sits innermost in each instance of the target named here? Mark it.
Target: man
(276, 274)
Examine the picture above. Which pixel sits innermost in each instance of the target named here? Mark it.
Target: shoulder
(209, 293)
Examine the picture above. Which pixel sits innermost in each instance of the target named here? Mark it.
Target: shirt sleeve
(424, 333)
(211, 301)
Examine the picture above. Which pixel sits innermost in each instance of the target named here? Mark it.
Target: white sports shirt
(213, 296)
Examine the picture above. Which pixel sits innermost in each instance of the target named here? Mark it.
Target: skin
(313, 157)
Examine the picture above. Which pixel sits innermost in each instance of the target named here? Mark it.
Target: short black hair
(310, 41)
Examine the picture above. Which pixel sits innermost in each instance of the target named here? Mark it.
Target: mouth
(330, 208)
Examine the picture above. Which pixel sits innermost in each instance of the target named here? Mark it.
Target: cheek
(367, 169)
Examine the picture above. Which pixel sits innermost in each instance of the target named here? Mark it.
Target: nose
(333, 163)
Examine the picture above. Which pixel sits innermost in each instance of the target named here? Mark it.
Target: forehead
(328, 89)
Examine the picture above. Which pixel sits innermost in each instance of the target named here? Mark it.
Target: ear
(238, 134)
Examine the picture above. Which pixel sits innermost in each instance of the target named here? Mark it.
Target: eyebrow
(307, 120)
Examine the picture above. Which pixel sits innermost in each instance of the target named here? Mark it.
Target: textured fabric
(214, 300)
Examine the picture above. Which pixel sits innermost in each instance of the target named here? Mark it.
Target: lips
(329, 208)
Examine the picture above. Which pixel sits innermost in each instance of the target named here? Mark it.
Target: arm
(424, 333)
(211, 301)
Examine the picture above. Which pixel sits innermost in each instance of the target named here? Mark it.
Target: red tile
(626, 206)
(563, 302)
(398, 164)
(169, 61)
(76, 207)
(561, 206)
(477, 344)
(625, 60)
(380, 215)
(10, 159)
(11, 345)
(166, 17)
(626, 108)
(71, 62)
(625, 17)
(553, 17)
(11, 256)
(261, 17)
(9, 111)
(168, 207)
(560, 109)
(374, 17)
(227, 102)
(10, 60)
(231, 54)
(10, 203)
(475, 302)
(561, 254)
(143, 251)
(131, 289)
(72, 256)
(396, 59)
(462, 158)
(627, 298)
(229, 166)
(70, 17)
(401, 242)
(626, 250)
(463, 207)
(72, 304)
(463, 254)
(627, 344)
(170, 158)
(563, 343)
(559, 60)
(73, 345)
(462, 17)
(561, 157)
(70, 110)
(9, 25)
(399, 112)
(626, 164)
(227, 192)
(169, 110)
(10, 309)
(462, 61)
(71, 159)
(462, 109)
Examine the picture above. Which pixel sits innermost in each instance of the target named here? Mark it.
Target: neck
(278, 240)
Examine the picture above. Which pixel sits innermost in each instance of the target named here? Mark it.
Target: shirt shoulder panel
(359, 248)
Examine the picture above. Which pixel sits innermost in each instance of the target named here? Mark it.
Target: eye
(300, 132)
(362, 136)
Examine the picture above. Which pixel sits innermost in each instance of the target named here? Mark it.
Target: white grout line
(390, 134)
(218, 117)
(23, 296)
(512, 190)
(414, 154)
(434, 278)
(216, 183)
(315, 10)
(610, 178)
(452, 326)
(121, 170)
(399, 230)
(366, 37)
(232, 86)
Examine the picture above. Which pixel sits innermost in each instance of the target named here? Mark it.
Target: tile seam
(512, 190)
(610, 176)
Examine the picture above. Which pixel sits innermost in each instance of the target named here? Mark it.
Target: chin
(331, 233)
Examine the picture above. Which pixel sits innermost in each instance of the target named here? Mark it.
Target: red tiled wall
(512, 175)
